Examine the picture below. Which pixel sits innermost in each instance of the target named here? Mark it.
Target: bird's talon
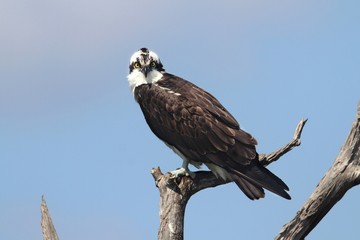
(182, 172)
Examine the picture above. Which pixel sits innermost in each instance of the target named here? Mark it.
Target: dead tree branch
(342, 175)
(272, 157)
(48, 229)
(175, 193)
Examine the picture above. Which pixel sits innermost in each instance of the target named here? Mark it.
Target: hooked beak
(145, 70)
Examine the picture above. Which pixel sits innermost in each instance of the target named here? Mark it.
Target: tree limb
(48, 229)
(175, 193)
(272, 157)
(342, 175)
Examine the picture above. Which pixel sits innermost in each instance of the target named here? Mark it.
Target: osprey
(195, 125)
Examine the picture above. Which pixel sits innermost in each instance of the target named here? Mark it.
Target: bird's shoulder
(196, 99)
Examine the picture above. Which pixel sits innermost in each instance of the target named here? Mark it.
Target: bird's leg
(183, 171)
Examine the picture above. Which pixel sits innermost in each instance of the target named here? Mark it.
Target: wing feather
(193, 119)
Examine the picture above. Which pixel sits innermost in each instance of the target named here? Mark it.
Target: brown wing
(192, 120)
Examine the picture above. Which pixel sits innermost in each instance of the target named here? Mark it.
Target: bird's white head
(145, 67)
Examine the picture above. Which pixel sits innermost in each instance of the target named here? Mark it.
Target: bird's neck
(137, 78)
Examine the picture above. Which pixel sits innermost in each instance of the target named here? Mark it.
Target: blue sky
(70, 129)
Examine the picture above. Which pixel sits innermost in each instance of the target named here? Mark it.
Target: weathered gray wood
(48, 229)
(175, 193)
(173, 198)
(343, 175)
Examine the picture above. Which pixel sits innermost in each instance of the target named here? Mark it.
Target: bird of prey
(196, 126)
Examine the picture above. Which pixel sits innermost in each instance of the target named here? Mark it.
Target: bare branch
(173, 198)
(48, 229)
(343, 175)
(267, 159)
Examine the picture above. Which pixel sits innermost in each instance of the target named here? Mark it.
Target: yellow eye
(153, 64)
(136, 65)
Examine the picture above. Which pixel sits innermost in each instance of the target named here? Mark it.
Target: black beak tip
(145, 70)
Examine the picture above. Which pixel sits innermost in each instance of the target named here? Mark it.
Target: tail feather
(253, 178)
(252, 191)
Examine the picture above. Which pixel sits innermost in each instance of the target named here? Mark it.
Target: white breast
(137, 78)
